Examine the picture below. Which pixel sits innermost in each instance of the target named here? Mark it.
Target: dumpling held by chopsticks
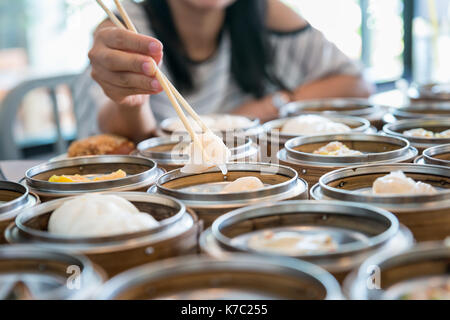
(215, 154)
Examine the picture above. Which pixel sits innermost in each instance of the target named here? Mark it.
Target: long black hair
(251, 52)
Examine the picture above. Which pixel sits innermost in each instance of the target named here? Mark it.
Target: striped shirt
(301, 56)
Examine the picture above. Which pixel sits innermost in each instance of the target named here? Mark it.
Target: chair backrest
(10, 106)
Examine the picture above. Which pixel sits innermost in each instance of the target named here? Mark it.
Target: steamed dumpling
(422, 133)
(292, 243)
(397, 183)
(336, 148)
(216, 151)
(419, 133)
(313, 124)
(97, 215)
(243, 184)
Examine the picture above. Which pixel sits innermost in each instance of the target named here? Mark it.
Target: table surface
(15, 170)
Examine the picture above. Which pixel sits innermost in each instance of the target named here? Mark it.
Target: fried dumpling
(243, 184)
(217, 154)
(397, 183)
(313, 124)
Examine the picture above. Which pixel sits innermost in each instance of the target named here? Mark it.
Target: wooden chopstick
(111, 15)
(168, 87)
(186, 105)
(125, 16)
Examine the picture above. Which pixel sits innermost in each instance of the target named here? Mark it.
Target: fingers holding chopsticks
(125, 62)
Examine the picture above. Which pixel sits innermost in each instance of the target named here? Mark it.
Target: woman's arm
(123, 64)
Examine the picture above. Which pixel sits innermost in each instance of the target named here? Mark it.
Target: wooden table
(15, 170)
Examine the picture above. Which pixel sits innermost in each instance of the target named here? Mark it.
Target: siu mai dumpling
(313, 124)
(243, 184)
(397, 183)
(97, 215)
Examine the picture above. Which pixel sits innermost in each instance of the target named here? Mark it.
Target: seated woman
(225, 56)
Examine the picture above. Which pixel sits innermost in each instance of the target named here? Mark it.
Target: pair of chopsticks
(168, 87)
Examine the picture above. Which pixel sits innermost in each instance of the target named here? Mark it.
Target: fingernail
(155, 84)
(147, 68)
(154, 47)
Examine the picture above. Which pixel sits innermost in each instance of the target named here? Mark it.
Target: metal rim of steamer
(91, 277)
(236, 262)
(361, 107)
(397, 128)
(45, 237)
(413, 111)
(323, 190)
(404, 152)
(429, 155)
(358, 124)
(163, 127)
(355, 285)
(134, 181)
(166, 157)
(321, 208)
(287, 189)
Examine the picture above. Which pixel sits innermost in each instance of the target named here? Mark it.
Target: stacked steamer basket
(141, 173)
(169, 152)
(349, 107)
(299, 153)
(234, 277)
(174, 127)
(175, 235)
(421, 143)
(439, 155)
(430, 92)
(426, 215)
(203, 192)
(14, 198)
(356, 232)
(272, 139)
(27, 273)
(415, 111)
(420, 273)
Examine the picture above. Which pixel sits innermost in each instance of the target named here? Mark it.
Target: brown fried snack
(100, 145)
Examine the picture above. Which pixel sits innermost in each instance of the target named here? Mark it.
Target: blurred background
(394, 39)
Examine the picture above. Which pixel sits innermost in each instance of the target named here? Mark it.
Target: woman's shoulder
(281, 19)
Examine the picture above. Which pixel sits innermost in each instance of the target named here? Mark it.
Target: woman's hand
(124, 64)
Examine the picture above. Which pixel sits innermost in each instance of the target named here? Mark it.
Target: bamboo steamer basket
(348, 107)
(439, 155)
(176, 235)
(400, 274)
(416, 111)
(435, 125)
(427, 216)
(234, 277)
(141, 173)
(41, 274)
(299, 153)
(166, 130)
(271, 139)
(14, 198)
(430, 91)
(359, 231)
(168, 151)
(201, 192)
